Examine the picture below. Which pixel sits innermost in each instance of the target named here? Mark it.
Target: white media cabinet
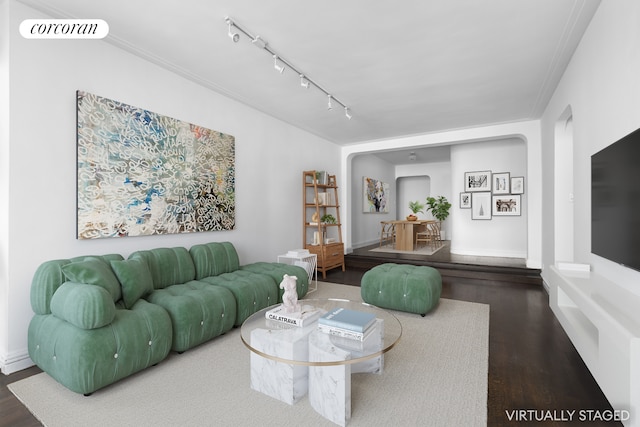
(602, 320)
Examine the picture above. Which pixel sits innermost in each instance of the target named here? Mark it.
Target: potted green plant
(415, 208)
(328, 219)
(439, 208)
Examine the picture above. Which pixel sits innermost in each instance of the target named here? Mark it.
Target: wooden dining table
(405, 233)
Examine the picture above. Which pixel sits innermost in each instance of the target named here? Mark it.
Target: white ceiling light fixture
(233, 36)
(279, 68)
(305, 81)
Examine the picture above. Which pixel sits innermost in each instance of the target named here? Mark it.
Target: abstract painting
(376, 196)
(141, 173)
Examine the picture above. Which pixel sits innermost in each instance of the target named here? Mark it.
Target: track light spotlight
(234, 36)
(279, 68)
(329, 106)
(304, 82)
(346, 113)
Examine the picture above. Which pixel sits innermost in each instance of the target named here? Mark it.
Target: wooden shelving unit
(319, 198)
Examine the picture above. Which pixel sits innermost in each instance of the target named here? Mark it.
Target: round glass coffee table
(287, 361)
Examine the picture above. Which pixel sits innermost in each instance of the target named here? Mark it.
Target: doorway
(563, 184)
(411, 188)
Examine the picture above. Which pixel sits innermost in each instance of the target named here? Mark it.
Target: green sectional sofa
(99, 319)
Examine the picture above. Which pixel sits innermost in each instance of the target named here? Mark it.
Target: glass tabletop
(271, 337)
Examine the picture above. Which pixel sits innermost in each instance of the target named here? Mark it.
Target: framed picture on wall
(501, 183)
(508, 205)
(517, 185)
(481, 205)
(375, 196)
(465, 200)
(477, 181)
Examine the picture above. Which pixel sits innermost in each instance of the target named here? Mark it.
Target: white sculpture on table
(290, 296)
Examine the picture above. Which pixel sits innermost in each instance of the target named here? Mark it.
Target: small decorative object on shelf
(290, 296)
(307, 315)
(328, 219)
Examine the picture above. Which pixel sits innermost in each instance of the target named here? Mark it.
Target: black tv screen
(615, 201)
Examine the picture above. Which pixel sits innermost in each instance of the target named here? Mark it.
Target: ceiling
(403, 67)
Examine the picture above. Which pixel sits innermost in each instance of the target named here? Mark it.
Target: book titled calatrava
(306, 315)
(352, 320)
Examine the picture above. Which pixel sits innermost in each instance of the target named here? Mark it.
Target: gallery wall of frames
(489, 194)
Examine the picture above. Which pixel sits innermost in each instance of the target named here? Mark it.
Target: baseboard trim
(15, 362)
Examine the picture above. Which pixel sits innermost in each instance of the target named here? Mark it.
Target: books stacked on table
(301, 318)
(346, 323)
(298, 253)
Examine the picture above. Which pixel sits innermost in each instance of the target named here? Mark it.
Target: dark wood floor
(532, 363)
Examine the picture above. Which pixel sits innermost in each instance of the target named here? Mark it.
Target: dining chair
(428, 234)
(388, 233)
(435, 232)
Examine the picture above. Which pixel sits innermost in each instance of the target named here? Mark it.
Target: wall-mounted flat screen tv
(615, 201)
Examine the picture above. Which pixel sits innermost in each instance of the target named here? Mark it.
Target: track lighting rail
(280, 63)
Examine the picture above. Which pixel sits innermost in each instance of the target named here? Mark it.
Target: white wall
(4, 174)
(366, 226)
(602, 88)
(38, 192)
(411, 189)
(503, 236)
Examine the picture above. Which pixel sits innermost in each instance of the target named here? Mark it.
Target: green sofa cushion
(94, 271)
(46, 280)
(168, 266)
(198, 312)
(214, 259)
(135, 278)
(252, 291)
(82, 305)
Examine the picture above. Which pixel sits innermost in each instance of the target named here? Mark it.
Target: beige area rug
(422, 250)
(435, 376)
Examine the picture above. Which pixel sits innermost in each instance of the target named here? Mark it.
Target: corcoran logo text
(64, 28)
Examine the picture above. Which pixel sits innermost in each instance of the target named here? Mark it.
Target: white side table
(309, 262)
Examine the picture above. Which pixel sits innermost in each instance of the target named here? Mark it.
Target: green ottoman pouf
(403, 287)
